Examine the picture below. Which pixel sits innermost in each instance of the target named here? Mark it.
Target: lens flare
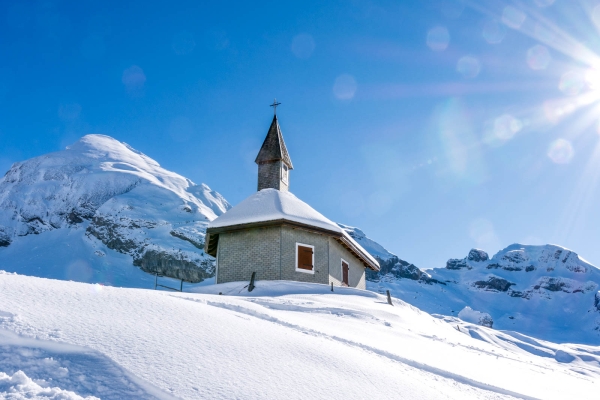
(344, 87)
(561, 151)
(513, 17)
(468, 66)
(596, 15)
(571, 82)
(555, 110)
(538, 57)
(438, 38)
(592, 78)
(493, 32)
(506, 126)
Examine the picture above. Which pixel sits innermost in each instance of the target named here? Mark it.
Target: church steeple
(273, 160)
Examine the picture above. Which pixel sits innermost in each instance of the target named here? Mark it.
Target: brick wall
(271, 253)
(244, 252)
(269, 176)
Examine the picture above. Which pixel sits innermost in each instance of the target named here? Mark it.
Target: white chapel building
(280, 237)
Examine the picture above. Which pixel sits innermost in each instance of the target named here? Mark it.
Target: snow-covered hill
(284, 340)
(544, 291)
(93, 211)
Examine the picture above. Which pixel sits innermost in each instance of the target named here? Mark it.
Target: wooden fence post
(251, 285)
(389, 298)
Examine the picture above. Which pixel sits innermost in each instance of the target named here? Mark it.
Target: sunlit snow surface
(283, 340)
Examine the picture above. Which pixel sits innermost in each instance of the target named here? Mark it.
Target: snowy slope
(75, 213)
(283, 340)
(544, 291)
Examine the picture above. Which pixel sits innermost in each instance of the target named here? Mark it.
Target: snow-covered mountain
(98, 210)
(544, 291)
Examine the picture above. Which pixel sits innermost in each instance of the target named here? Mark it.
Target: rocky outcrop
(474, 257)
(395, 268)
(176, 266)
(5, 239)
(477, 255)
(494, 283)
(476, 317)
(455, 263)
(565, 285)
(597, 301)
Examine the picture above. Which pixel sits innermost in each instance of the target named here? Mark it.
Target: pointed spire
(273, 148)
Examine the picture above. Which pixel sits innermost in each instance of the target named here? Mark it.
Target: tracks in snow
(380, 352)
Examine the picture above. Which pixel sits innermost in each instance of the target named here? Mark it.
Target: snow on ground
(283, 340)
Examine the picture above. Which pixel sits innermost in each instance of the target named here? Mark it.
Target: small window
(305, 258)
(284, 173)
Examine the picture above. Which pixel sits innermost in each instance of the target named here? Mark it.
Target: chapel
(278, 236)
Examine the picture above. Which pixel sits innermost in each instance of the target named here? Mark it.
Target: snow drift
(284, 340)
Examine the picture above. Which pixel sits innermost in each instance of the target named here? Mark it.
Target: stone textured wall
(289, 237)
(243, 252)
(269, 176)
(271, 253)
(356, 273)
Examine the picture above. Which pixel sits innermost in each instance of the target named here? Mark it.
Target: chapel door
(345, 270)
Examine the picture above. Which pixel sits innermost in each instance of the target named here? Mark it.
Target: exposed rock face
(597, 301)
(494, 283)
(455, 263)
(4, 238)
(472, 260)
(168, 264)
(395, 268)
(565, 285)
(477, 255)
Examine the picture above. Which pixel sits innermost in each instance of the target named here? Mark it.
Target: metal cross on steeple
(274, 105)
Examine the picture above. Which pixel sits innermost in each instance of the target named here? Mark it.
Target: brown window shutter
(305, 258)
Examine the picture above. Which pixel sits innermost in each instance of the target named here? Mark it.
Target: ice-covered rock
(467, 314)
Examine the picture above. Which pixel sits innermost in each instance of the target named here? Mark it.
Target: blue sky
(434, 126)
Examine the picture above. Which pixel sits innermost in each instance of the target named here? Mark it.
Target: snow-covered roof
(275, 205)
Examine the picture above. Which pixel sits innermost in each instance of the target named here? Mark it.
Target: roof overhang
(212, 238)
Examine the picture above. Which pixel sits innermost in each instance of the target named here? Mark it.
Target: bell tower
(274, 163)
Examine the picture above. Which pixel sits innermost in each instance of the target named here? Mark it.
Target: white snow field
(285, 340)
